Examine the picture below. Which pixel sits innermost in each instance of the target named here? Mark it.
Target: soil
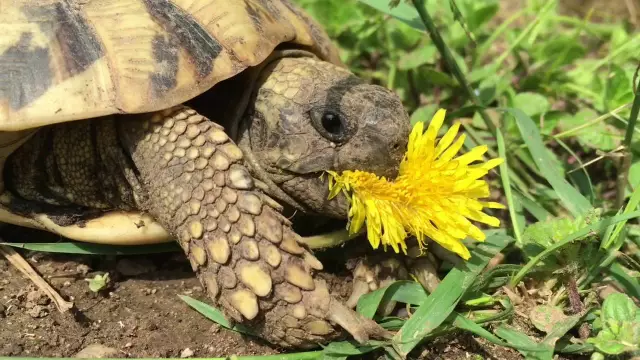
(140, 313)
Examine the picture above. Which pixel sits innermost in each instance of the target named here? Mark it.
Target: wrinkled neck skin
(293, 142)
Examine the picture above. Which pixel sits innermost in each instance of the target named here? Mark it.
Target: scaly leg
(244, 251)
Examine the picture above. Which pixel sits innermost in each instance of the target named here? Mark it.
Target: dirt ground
(140, 315)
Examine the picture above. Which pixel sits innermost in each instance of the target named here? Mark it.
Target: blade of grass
(506, 185)
(577, 129)
(566, 347)
(96, 249)
(465, 324)
(533, 207)
(625, 163)
(408, 292)
(571, 198)
(566, 147)
(633, 203)
(543, 12)
(622, 179)
(439, 304)
(630, 284)
(623, 49)
(520, 339)
(612, 241)
(349, 348)
(483, 49)
(213, 314)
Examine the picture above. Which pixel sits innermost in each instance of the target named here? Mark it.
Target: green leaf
(596, 228)
(616, 309)
(98, 282)
(559, 51)
(434, 77)
(621, 326)
(551, 231)
(439, 304)
(571, 198)
(599, 135)
(607, 343)
(531, 103)
(412, 60)
(618, 90)
(423, 114)
(634, 174)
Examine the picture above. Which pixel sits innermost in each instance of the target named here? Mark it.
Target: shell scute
(65, 60)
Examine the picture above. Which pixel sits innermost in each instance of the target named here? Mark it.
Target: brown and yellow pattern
(69, 60)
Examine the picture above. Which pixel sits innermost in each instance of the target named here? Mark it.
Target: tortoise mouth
(312, 191)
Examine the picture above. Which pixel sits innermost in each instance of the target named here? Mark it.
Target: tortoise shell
(63, 60)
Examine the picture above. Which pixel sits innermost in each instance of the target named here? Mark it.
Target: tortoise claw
(373, 273)
(361, 328)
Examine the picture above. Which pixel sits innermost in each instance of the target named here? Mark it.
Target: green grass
(541, 90)
(554, 96)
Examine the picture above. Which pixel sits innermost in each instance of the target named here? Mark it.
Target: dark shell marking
(203, 49)
(24, 72)
(76, 39)
(165, 52)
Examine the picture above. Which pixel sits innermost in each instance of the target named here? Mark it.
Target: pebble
(38, 311)
(82, 269)
(96, 351)
(186, 353)
(37, 297)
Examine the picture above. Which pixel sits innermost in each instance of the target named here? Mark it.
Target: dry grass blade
(21, 264)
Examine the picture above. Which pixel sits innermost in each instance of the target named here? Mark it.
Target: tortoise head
(309, 116)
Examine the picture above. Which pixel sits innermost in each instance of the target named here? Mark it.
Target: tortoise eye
(331, 124)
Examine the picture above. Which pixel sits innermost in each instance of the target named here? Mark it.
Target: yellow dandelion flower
(436, 194)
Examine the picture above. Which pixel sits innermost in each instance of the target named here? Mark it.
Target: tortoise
(201, 121)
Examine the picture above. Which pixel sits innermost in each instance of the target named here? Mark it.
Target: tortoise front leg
(243, 250)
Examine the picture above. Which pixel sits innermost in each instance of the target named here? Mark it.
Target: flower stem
(330, 239)
(450, 61)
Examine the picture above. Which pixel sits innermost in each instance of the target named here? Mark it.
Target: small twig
(21, 264)
(598, 158)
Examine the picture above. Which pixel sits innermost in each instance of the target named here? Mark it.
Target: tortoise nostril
(396, 146)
